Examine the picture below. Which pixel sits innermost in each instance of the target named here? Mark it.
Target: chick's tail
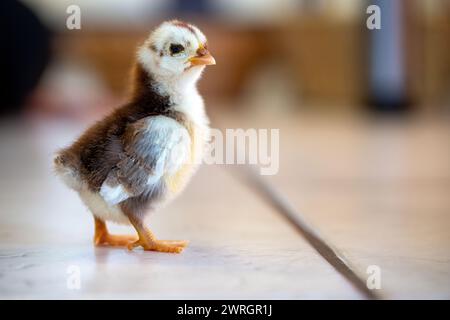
(65, 168)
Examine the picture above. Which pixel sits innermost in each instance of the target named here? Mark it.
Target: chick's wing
(152, 147)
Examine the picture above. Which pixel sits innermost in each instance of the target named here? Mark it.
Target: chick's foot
(170, 246)
(103, 238)
(114, 240)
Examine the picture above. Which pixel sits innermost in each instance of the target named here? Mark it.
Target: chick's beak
(203, 58)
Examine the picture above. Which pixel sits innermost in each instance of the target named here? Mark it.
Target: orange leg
(149, 242)
(103, 238)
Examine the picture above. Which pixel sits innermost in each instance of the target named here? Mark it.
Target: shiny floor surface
(377, 190)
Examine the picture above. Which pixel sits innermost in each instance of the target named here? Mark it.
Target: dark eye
(176, 48)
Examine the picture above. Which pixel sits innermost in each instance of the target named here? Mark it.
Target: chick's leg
(102, 236)
(148, 241)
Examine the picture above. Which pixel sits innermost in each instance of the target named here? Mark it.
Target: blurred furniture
(326, 56)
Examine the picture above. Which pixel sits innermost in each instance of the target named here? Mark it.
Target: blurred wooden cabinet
(327, 57)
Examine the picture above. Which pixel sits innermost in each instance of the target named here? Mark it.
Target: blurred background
(364, 128)
(313, 55)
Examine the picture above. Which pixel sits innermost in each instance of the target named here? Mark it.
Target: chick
(143, 154)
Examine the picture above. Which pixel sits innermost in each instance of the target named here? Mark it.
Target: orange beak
(203, 58)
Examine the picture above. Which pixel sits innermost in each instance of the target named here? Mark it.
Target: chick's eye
(176, 48)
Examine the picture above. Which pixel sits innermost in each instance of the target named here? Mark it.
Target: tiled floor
(378, 191)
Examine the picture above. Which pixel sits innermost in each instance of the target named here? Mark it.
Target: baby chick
(143, 154)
